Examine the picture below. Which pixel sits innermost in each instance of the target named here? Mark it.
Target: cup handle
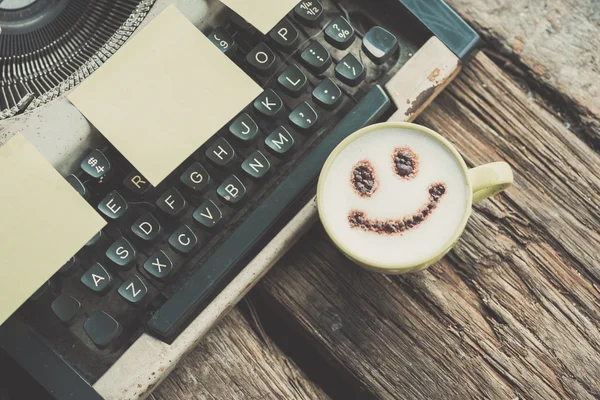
(489, 179)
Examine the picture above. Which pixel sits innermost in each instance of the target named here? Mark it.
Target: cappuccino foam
(394, 197)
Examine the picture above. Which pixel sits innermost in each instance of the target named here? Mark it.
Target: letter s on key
(122, 252)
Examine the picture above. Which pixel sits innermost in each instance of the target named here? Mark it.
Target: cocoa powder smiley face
(405, 165)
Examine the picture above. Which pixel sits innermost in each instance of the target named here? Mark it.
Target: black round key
(69, 266)
(220, 153)
(146, 227)
(269, 104)
(232, 190)
(309, 12)
(65, 307)
(172, 202)
(328, 95)
(195, 177)
(114, 206)
(244, 128)
(304, 118)
(133, 289)
(293, 81)
(97, 278)
(183, 239)
(350, 70)
(159, 265)
(102, 329)
(256, 165)
(78, 186)
(280, 142)
(136, 183)
(261, 58)
(316, 57)
(97, 238)
(208, 214)
(379, 44)
(284, 35)
(339, 33)
(121, 252)
(96, 164)
(223, 40)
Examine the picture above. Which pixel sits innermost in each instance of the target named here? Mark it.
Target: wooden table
(512, 312)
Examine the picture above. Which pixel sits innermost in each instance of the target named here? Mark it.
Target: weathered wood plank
(232, 362)
(513, 311)
(554, 44)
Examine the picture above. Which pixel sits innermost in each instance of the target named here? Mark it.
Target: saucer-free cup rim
(400, 267)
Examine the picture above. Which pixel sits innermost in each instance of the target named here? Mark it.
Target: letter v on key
(268, 104)
(293, 81)
(208, 215)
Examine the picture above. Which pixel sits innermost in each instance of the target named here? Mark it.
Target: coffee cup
(395, 197)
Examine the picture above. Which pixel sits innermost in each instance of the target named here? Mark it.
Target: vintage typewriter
(134, 300)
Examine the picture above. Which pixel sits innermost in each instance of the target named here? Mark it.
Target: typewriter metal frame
(148, 361)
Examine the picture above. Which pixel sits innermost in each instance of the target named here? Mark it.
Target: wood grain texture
(232, 362)
(553, 44)
(512, 312)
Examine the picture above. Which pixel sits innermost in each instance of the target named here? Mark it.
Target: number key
(309, 12)
(96, 164)
(223, 40)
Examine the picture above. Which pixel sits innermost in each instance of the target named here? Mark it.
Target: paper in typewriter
(43, 222)
(163, 94)
(262, 14)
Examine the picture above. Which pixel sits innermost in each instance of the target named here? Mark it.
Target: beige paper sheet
(43, 222)
(164, 94)
(263, 14)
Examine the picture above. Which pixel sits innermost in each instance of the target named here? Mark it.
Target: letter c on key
(184, 236)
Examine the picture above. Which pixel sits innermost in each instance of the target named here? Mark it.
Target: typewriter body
(384, 59)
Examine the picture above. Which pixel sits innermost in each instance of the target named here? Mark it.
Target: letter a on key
(97, 279)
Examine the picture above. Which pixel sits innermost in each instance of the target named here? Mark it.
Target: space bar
(167, 321)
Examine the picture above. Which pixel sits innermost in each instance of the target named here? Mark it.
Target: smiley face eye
(363, 179)
(406, 163)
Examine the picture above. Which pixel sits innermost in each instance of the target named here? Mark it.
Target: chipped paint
(420, 100)
(433, 75)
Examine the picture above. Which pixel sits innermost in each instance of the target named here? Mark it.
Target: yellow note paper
(43, 222)
(263, 14)
(164, 94)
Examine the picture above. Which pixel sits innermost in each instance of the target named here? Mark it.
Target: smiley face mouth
(357, 219)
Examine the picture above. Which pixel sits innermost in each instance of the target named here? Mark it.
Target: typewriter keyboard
(167, 250)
